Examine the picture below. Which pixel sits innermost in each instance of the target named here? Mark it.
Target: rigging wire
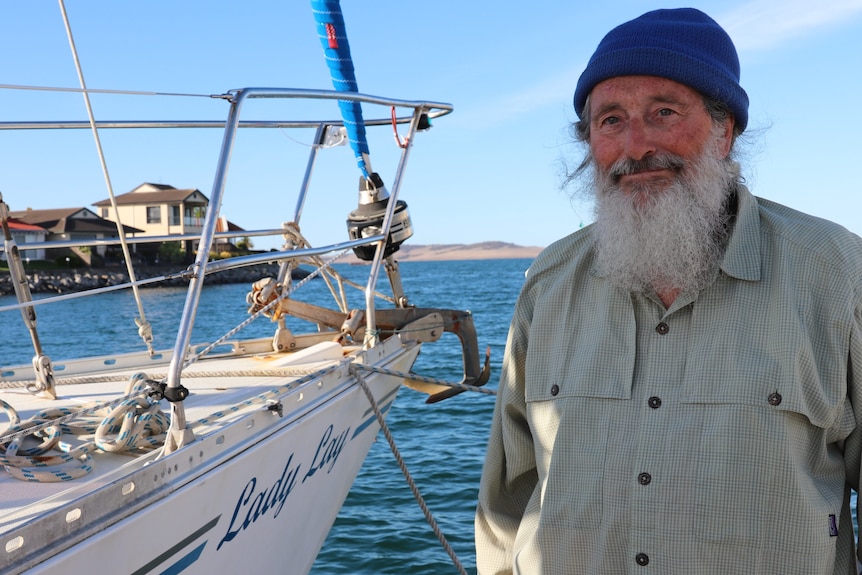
(102, 91)
(145, 330)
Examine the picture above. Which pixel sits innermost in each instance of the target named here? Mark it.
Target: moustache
(629, 166)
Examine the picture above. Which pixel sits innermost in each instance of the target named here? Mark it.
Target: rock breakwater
(65, 281)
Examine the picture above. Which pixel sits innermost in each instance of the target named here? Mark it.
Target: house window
(105, 212)
(174, 218)
(195, 215)
(154, 214)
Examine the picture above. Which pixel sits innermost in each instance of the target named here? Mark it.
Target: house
(24, 233)
(148, 210)
(72, 224)
(159, 209)
(163, 210)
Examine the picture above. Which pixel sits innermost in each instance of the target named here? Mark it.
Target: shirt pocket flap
(792, 385)
(587, 375)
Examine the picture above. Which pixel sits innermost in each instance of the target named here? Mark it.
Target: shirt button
(662, 328)
(642, 559)
(654, 402)
(555, 389)
(644, 478)
(774, 398)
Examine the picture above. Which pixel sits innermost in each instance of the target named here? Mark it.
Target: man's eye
(610, 121)
(666, 112)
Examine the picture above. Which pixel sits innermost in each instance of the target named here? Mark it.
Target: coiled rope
(131, 422)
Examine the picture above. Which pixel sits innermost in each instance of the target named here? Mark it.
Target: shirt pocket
(570, 410)
(767, 428)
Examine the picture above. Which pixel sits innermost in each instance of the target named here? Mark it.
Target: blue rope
(333, 38)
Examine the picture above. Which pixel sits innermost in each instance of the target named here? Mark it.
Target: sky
(490, 171)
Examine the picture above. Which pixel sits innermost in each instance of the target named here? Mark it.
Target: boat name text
(254, 503)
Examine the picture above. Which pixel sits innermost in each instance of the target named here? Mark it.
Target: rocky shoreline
(63, 281)
(66, 281)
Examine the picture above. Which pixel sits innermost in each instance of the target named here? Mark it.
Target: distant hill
(444, 252)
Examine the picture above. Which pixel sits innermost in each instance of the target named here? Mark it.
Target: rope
(144, 328)
(128, 423)
(354, 370)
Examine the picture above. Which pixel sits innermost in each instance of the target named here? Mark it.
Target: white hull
(259, 493)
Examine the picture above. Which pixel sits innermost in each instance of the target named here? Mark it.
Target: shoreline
(59, 280)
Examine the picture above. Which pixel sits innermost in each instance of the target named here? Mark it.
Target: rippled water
(381, 528)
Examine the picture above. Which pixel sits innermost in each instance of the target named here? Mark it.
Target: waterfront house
(70, 224)
(24, 234)
(163, 210)
(160, 209)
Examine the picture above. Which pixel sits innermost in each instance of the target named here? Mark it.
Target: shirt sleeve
(509, 476)
(853, 443)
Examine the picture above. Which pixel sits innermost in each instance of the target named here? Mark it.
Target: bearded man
(682, 386)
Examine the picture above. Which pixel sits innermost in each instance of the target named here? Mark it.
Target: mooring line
(354, 370)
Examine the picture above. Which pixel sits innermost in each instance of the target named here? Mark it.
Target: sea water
(381, 528)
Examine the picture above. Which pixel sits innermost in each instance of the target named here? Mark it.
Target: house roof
(69, 220)
(53, 220)
(15, 224)
(156, 194)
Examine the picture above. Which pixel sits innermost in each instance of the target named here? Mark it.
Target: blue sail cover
(333, 37)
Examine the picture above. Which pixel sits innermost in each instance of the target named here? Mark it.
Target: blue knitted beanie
(684, 45)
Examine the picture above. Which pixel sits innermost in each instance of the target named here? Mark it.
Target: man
(682, 386)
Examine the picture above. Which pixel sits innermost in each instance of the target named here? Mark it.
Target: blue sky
(489, 171)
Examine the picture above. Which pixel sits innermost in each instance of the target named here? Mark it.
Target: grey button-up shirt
(717, 436)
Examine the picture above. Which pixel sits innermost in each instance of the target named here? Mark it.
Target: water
(380, 529)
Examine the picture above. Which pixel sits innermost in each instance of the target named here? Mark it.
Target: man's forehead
(621, 90)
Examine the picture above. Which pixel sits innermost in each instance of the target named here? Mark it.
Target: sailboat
(231, 455)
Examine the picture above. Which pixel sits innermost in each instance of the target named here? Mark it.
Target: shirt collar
(742, 256)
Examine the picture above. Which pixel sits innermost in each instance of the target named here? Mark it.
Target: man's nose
(639, 142)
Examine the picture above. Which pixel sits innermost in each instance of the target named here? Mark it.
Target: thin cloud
(764, 24)
(556, 90)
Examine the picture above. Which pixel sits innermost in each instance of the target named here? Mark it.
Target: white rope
(131, 422)
(354, 370)
(128, 423)
(144, 328)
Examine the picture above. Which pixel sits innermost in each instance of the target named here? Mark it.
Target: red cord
(398, 141)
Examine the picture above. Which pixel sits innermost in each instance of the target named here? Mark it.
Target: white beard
(665, 239)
